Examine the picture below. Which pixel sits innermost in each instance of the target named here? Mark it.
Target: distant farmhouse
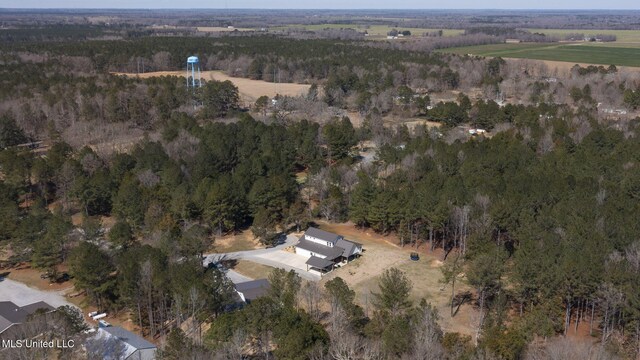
(120, 344)
(326, 250)
(251, 290)
(13, 316)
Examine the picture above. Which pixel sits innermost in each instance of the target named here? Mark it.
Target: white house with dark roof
(325, 249)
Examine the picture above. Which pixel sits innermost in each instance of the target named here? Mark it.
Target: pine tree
(361, 199)
(393, 297)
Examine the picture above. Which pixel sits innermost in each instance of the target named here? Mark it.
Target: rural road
(271, 257)
(21, 294)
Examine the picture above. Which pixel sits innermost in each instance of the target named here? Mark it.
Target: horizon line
(326, 9)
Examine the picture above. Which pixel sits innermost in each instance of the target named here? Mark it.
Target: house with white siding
(116, 343)
(326, 250)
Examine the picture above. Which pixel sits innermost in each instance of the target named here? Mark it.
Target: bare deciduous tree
(427, 336)
(562, 348)
(312, 296)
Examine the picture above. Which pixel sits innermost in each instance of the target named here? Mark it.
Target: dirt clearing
(244, 240)
(250, 90)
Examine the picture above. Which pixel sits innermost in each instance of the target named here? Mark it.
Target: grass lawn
(578, 53)
(251, 269)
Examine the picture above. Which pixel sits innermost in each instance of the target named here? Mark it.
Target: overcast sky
(325, 4)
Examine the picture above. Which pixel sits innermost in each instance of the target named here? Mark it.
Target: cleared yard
(240, 241)
(381, 253)
(31, 277)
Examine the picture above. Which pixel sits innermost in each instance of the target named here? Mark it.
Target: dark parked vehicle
(63, 277)
(415, 256)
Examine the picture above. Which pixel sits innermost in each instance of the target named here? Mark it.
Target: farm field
(622, 36)
(249, 89)
(375, 30)
(576, 53)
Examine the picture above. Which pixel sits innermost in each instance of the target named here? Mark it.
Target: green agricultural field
(375, 30)
(622, 36)
(503, 50)
(577, 53)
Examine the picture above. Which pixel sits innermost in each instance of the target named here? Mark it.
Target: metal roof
(252, 284)
(128, 337)
(319, 263)
(253, 289)
(321, 234)
(348, 246)
(330, 252)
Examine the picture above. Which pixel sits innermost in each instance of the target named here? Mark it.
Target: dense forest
(256, 18)
(68, 86)
(540, 216)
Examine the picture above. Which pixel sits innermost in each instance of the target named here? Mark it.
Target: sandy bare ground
(249, 89)
(240, 241)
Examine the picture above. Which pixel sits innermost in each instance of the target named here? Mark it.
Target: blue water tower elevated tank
(194, 78)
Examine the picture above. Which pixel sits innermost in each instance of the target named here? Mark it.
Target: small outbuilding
(251, 290)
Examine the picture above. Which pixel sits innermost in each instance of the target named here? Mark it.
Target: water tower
(193, 72)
